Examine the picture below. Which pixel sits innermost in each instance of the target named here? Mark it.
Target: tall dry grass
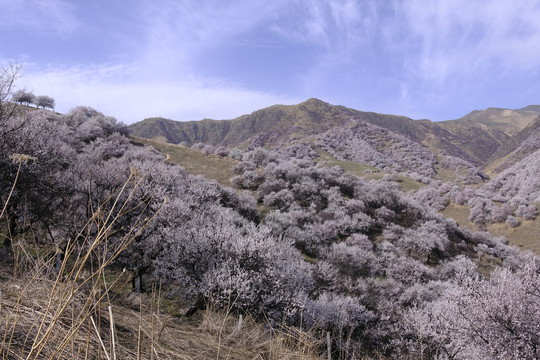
(62, 316)
(79, 311)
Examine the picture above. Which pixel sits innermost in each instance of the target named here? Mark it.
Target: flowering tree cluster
(386, 252)
(27, 98)
(370, 144)
(465, 172)
(476, 318)
(516, 189)
(436, 198)
(518, 181)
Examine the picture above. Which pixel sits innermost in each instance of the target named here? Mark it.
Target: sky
(195, 59)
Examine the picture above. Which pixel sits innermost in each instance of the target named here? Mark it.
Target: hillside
(475, 138)
(517, 147)
(375, 146)
(299, 245)
(482, 133)
(506, 121)
(331, 240)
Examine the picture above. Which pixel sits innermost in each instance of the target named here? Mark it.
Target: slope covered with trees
(295, 243)
(462, 153)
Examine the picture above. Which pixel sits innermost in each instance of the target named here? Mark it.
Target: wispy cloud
(51, 17)
(162, 77)
(464, 37)
(178, 32)
(337, 26)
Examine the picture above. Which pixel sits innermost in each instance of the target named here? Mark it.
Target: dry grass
(407, 184)
(58, 313)
(217, 335)
(366, 171)
(89, 322)
(352, 167)
(445, 174)
(460, 214)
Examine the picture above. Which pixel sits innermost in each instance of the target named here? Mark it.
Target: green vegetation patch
(460, 214)
(352, 167)
(195, 162)
(524, 236)
(365, 171)
(407, 184)
(446, 175)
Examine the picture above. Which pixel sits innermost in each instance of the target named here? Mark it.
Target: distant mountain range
(484, 138)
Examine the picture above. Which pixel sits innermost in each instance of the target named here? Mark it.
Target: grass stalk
(113, 335)
(100, 339)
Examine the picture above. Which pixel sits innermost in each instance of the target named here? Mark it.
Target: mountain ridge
(475, 137)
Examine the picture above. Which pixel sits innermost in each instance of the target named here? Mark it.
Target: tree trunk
(59, 259)
(137, 283)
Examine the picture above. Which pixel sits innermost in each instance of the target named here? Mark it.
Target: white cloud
(116, 91)
(414, 53)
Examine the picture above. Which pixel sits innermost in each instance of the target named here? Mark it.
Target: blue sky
(188, 60)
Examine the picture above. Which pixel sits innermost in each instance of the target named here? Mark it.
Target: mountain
(475, 137)
(340, 239)
(272, 126)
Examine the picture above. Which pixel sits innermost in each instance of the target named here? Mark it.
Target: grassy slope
(460, 214)
(212, 166)
(481, 133)
(524, 236)
(510, 147)
(347, 165)
(507, 121)
(273, 126)
(446, 175)
(365, 171)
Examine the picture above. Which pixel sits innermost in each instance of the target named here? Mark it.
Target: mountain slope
(517, 147)
(507, 121)
(481, 133)
(475, 138)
